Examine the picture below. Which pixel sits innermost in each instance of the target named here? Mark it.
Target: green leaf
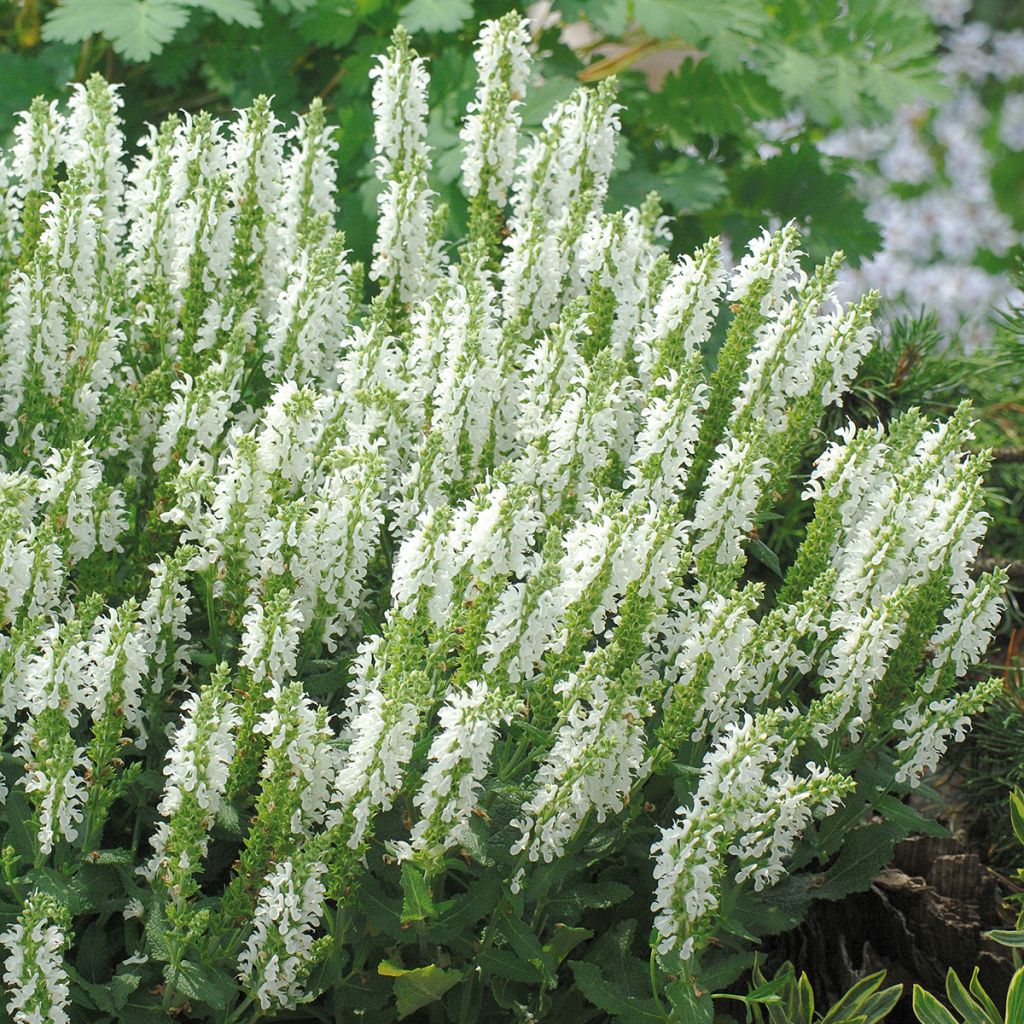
(961, 1001)
(851, 1003)
(155, 931)
(137, 29)
(909, 817)
(589, 896)
(609, 997)
(436, 15)
(690, 1005)
(866, 851)
(24, 78)
(929, 1010)
(416, 902)
(418, 986)
(764, 554)
(329, 23)
(194, 981)
(238, 12)
(71, 892)
(1015, 999)
(1017, 814)
(878, 1007)
(726, 31)
(527, 946)
(564, 941)
(1014, 939)
(112, 996)
(505, 964)
(979, 993)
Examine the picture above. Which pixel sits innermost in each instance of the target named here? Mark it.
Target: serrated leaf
(436, 15)
(725, 31)
(691, 1006)
(589, 896)
(608, 996)
(418, 986)
(526, 945)
(155, 932)
(909, 817)
(137, 29)
(505, 964)
(865, 852)
(416, 902)
(195, 981)
(70, 892)
(564, 940)
(238, 12)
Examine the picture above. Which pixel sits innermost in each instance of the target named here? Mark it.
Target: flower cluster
(444, 587)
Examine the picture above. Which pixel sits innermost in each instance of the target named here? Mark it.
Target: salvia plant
(398, 640)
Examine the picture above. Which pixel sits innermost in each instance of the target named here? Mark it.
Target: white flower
(725, 510)
(278, 952)
(490, 132)
(34, 971)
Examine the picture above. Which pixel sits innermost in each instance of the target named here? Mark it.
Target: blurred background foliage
(697, 78)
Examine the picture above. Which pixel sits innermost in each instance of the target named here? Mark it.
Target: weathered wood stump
(923, 914)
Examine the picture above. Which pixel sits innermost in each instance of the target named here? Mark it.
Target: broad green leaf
(71, 892)
(866, 851)
(436, 15)
(416, 902)
(112, 996)
(608, 996)
(589, 896)
(239, 12)
(418, 986)
(24, 78)
(929, 1010)
(210, 986)
(328, 22)
(1014, 938)
(726, 31)
(137, 29)
(909, 817)
(564, 940)
(505, 964)
(690, 1005)
(527, 946)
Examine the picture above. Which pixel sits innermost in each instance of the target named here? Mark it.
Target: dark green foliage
(692, 135)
